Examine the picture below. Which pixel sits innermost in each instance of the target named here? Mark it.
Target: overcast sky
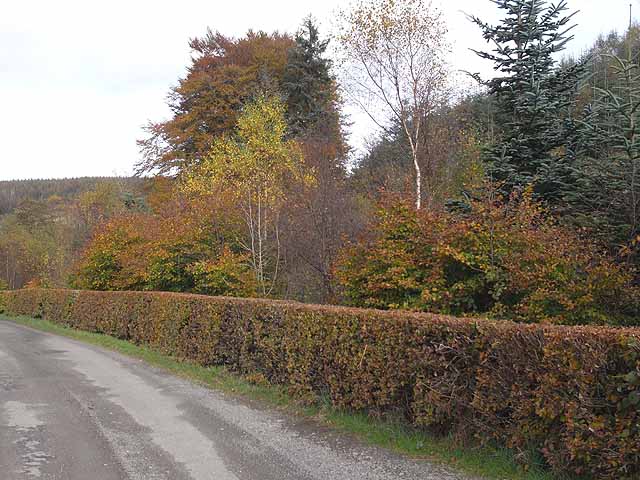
(79, 78)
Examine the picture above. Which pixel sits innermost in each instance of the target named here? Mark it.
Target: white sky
(79, 78)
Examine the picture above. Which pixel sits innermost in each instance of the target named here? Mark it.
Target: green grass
(484, 462)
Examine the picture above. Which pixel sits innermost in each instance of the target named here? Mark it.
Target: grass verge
(485, 462)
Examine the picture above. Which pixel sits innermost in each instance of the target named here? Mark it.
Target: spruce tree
(533, 95)
(606, 197)
(309, 87)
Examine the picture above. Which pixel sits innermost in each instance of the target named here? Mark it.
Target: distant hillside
(13, 192)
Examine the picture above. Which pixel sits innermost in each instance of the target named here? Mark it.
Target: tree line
(45, 224)
(14, 192)
(520, 200)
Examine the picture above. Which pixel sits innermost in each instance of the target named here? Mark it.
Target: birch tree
(253, 168)
(393, 55)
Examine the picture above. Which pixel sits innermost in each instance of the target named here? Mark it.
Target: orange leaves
(188, 246)
(229, 274)
(206, 103)
(503, 259)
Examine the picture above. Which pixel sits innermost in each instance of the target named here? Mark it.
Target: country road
(74, 411)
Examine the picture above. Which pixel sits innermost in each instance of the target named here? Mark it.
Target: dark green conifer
(309, 87)
(606, 197)
(534, 96)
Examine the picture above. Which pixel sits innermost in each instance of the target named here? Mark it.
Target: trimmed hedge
(570, 393)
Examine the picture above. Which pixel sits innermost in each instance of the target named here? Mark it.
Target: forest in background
(520, 201)
(15, 192)
(45, 224)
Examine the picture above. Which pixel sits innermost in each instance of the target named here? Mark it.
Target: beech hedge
(571, 394)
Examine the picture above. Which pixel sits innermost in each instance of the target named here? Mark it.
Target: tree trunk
(416, 165)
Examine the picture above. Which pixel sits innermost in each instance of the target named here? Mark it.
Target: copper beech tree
(223, 75)
(393, 58)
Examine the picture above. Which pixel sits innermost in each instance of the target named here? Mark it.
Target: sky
(80, 78)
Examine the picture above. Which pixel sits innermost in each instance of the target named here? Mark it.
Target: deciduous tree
(223, 75)
(393, 56)
(254, 167)
(505, 259)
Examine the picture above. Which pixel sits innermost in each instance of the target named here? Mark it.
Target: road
(74, 411)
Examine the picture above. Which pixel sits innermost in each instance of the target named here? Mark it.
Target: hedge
(572, 394)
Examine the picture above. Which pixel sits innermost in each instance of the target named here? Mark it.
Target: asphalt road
(74, 411)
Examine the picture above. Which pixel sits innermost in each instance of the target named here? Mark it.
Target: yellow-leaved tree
(253, 169)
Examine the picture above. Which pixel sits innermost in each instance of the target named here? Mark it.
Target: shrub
(184, 249)
(506, 260)
(229, 274)
(569, 393)
(103, 265)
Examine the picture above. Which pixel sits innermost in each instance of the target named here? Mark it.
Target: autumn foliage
(569, 394)
(252, 193)
(183, 248)
(224, 74)
(254, 168)
(504, 259)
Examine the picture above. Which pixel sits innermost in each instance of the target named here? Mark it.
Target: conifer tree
(309, 87)
(607, 174)
(534, 96)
